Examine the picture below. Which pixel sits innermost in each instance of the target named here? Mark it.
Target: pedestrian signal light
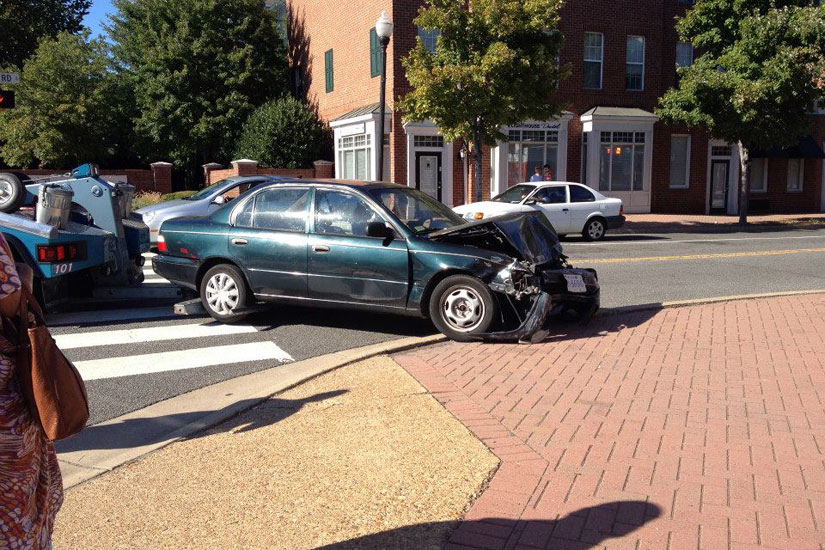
(6, 99)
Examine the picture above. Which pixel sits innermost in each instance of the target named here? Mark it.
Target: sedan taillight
(162, 243)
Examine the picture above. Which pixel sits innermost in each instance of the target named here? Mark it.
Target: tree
(62, 118)
(198, 68)
(284, 133)
(758, 77)
(26, 22)
(495, 64)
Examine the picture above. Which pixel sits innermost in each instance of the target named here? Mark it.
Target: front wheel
(594, 229)
(462, 307)
(224, 293)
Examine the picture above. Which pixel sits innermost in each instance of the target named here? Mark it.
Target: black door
(719, 186)
(428, 173)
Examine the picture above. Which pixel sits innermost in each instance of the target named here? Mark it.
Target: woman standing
(31, 488)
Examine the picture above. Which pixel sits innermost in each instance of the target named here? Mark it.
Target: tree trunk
(477, 145)
(744, 183)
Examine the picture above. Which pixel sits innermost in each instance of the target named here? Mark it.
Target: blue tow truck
(76, 232)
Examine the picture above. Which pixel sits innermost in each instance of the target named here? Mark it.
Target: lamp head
(383, 27)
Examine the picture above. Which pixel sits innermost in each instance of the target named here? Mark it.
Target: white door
(553, 202)
(428, 174)
(582, 204)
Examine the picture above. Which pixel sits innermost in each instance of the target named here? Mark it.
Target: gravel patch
(359, 451)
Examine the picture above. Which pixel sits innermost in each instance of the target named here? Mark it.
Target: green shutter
(375, 54)
(328, 71)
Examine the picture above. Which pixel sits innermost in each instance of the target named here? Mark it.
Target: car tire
(594, 229)
(224, 293)
(12, 192)
(462, 307)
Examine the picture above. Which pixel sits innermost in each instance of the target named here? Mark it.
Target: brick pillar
(324, 169)
(162, 176)
(245, 167)
(207, 171)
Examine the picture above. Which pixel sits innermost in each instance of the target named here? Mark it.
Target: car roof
(549, 183)
(354, 184)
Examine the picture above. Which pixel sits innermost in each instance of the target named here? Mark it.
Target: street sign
(6, 99)
(9, 78)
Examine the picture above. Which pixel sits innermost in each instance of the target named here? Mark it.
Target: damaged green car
(376, 247)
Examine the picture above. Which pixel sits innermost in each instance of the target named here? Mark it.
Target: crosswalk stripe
(109, 315)
(149, 334)
(97, 369)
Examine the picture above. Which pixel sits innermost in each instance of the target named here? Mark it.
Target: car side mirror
(531, 202)
(219, 200)
(379, 229)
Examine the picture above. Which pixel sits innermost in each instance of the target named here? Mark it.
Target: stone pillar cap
(245, 161)
(161, 163)
(322, 162)
(213, 165)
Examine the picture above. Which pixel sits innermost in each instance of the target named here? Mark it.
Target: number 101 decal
(62, 269)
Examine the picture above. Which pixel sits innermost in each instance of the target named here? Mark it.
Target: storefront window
(621, 161)
(528, 149)
(354, 156)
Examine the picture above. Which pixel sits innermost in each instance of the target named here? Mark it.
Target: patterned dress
(31, 488)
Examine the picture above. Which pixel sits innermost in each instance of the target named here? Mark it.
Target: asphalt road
(132, 358)
(650, 269)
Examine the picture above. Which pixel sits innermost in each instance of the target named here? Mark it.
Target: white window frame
(687, 161)
(801, 175)
(631, 145)
(600, 60)
(354, 148)
(635, 63)
(765, 164)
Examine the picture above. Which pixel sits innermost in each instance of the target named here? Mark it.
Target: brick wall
(322, 170)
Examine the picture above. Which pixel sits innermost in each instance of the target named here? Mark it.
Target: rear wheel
(594, 229)
(12, 192)
(224, 293)
(462, 307)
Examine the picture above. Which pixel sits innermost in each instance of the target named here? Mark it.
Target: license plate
(575, 283)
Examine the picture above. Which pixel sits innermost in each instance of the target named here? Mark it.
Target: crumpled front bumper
(549, 292)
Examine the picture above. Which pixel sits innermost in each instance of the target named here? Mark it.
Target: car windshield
(420, 212)
(205, 192)
(515, 194)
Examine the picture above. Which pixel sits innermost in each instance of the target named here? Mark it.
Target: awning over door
(806, 148)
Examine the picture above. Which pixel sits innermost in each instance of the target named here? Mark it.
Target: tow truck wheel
(223, 293)
(11, 192)
(462, 307)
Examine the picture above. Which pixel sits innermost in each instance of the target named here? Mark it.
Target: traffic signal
(6, 99)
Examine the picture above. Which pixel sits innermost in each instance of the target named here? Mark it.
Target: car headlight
(474, 216)
(148, 217)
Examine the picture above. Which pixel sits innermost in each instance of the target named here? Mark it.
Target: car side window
(551, 195)
(580, 194)
(339, 213)
(235, 192)
(283, 209)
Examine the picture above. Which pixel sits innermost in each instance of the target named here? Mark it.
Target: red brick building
(623, 58)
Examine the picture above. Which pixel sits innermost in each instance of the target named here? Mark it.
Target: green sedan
(376, 247)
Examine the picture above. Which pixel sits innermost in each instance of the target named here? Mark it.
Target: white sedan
(570, 207)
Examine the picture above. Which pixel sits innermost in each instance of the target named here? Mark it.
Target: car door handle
(320, 248)
(565, 210)
(240, 242)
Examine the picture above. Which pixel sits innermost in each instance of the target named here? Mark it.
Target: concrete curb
(82, 458)
(610, 312)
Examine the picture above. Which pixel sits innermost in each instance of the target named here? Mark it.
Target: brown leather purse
(51, 384)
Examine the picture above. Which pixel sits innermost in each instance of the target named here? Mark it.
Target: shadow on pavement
(605, 321)
(283, 316)
(581, 530)
(138, 432)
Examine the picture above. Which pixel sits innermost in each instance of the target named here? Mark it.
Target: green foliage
(198, 69)
(494, 65)
(760, 76)
(284, 133)
(62, 116)
(26, 22)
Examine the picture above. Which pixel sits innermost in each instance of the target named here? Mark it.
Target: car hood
(526, 236)
(163, 206)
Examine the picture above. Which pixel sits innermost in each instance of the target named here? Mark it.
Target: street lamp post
(383, 29)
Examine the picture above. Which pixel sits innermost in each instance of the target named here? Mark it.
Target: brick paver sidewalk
(698, 427)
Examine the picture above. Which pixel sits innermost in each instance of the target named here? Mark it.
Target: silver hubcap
(5, 192)
(595, 230)
(462, 309)
(222, 294)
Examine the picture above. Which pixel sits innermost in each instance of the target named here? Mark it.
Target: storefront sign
(352, 130)
(553, 125)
